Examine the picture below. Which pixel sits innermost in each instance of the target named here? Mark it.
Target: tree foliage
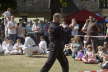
(4, 4)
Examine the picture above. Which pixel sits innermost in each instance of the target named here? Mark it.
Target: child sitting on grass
(75, 45)
(79, 55)
(67, 50)
(89, 57)
(17, 48)
(104, 64)
(99, 55)
(43, 45)
(8, 47)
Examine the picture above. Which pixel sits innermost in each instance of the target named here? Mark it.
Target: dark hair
(27, 34)
(42, 37)
(57, 15)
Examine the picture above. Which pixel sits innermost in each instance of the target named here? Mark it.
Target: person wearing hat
(56, 45)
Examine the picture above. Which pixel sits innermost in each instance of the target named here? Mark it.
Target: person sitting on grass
(29, 46)
(104, 64)
(89, 57)
(79, 55)
(75, 45)
(67, 50)
(99, 55)
(17, 48)
(43, 45)
(8, 47)
(105, 52)
(4, 43)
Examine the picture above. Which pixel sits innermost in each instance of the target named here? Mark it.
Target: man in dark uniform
(56, 46)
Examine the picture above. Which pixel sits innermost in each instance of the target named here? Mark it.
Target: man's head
(91, 18)
(42, 38)
(57, 17)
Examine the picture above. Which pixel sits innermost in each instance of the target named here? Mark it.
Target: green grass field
(21, 63)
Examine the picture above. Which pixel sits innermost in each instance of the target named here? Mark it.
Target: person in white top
(43, 45)
(6, 14)
(4, 43)
(17, 48)
(8, 47)
(29, 46)
(74, 26)
(12, 28)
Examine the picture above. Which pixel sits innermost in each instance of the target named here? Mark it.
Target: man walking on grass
(56, 45)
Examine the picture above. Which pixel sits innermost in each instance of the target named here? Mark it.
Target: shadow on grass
(39, 56)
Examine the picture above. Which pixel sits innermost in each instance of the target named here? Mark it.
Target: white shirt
(29, 42)
(11, 24)
(6, 13)
(17, 45)
(8, 47)
(43, 44)
(4, 45)
(35, 28)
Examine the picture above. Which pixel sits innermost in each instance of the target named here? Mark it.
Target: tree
(65, 3)
(4, 4)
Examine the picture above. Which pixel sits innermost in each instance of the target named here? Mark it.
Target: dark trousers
(13, 37)
(51, 59)
(36, 37)
(93, 41)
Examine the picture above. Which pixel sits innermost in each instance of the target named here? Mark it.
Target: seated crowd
(8, 47)
(86, 54)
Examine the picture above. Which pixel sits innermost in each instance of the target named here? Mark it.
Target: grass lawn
(33, 64)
